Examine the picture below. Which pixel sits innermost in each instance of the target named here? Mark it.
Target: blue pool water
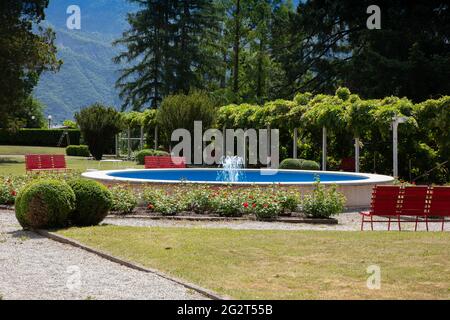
(249, 176)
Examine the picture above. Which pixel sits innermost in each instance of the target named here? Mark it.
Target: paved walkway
(33, 267)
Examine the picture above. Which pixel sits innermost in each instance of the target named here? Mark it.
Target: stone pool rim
(369, 179)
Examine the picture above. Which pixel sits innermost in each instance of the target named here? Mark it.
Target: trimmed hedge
(38, 137)
(78, 151)
(45, 204)
(93, 202)
(140, 156)
(299, 164)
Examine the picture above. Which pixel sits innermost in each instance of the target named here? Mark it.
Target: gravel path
(350, 221)
(33, 267)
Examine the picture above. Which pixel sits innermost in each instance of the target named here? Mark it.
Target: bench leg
(417, 221)
(362, 223)
(399, 224)
(426, 222)
(371, 222)
(389, 224)
(443, 222)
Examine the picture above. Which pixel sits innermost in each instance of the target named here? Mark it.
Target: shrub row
(78, 151)
(299, 164)
(38, 137)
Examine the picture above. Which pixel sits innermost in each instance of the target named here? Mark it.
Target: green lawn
(259, 264)
(12, 161)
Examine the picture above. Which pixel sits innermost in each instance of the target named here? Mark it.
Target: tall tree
(26, 50)
(168, 46)
(329, 45)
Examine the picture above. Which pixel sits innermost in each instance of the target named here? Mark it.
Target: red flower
(265, 205)
(13, 193)
(150, 206)
(245, 204)
(254, 205)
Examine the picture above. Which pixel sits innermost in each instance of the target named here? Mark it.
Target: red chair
(348, 165)
(385, 203)
(439, 205)
(164, 162)
(45, 162)
(414, 202)
(32, 162)
(59, 162)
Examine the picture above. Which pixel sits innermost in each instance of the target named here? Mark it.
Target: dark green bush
(78, 151)
(299, 164)
(93, 202)
(140, 156)
(181, 111)
(38, 137)
(99, 124)
(45, 204)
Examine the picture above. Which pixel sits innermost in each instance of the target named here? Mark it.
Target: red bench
(164, 162)
(440, 204)
(45, 162)
(348, 165)
(409, 202)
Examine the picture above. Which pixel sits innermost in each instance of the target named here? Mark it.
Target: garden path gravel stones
(34, 267)
(350, 221)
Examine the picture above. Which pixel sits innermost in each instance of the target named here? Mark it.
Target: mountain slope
(88, 73)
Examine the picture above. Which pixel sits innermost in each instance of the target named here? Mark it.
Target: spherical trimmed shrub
(140, 156)
(45, 204)
(93, 202)
(299, 164)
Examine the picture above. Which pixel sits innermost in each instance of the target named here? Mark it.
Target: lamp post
(49, 121)
(395, 122)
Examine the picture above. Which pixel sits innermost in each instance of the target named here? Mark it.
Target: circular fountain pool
(239, 177)
(357, 187)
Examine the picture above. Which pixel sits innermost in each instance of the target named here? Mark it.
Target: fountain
(232, 169)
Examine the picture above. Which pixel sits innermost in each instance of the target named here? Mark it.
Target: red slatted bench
(413, 202)
(439, 204)
(164, 162)
(45, 162)
(385, 202)
(348, 165)
(419, 202)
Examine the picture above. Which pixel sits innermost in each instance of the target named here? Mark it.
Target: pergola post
(142, 137)
(395, 122)
(357, 155)
(156, 137)
(324, 149)
(129, 143)
(294, 151)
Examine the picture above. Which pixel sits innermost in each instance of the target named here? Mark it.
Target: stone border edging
(294, 220)
(58, 238)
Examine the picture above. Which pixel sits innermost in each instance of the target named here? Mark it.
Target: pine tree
(168, 45)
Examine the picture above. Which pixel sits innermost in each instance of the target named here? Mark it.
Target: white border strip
(371, 179)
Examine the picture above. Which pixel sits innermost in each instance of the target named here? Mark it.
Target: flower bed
(262, 203)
